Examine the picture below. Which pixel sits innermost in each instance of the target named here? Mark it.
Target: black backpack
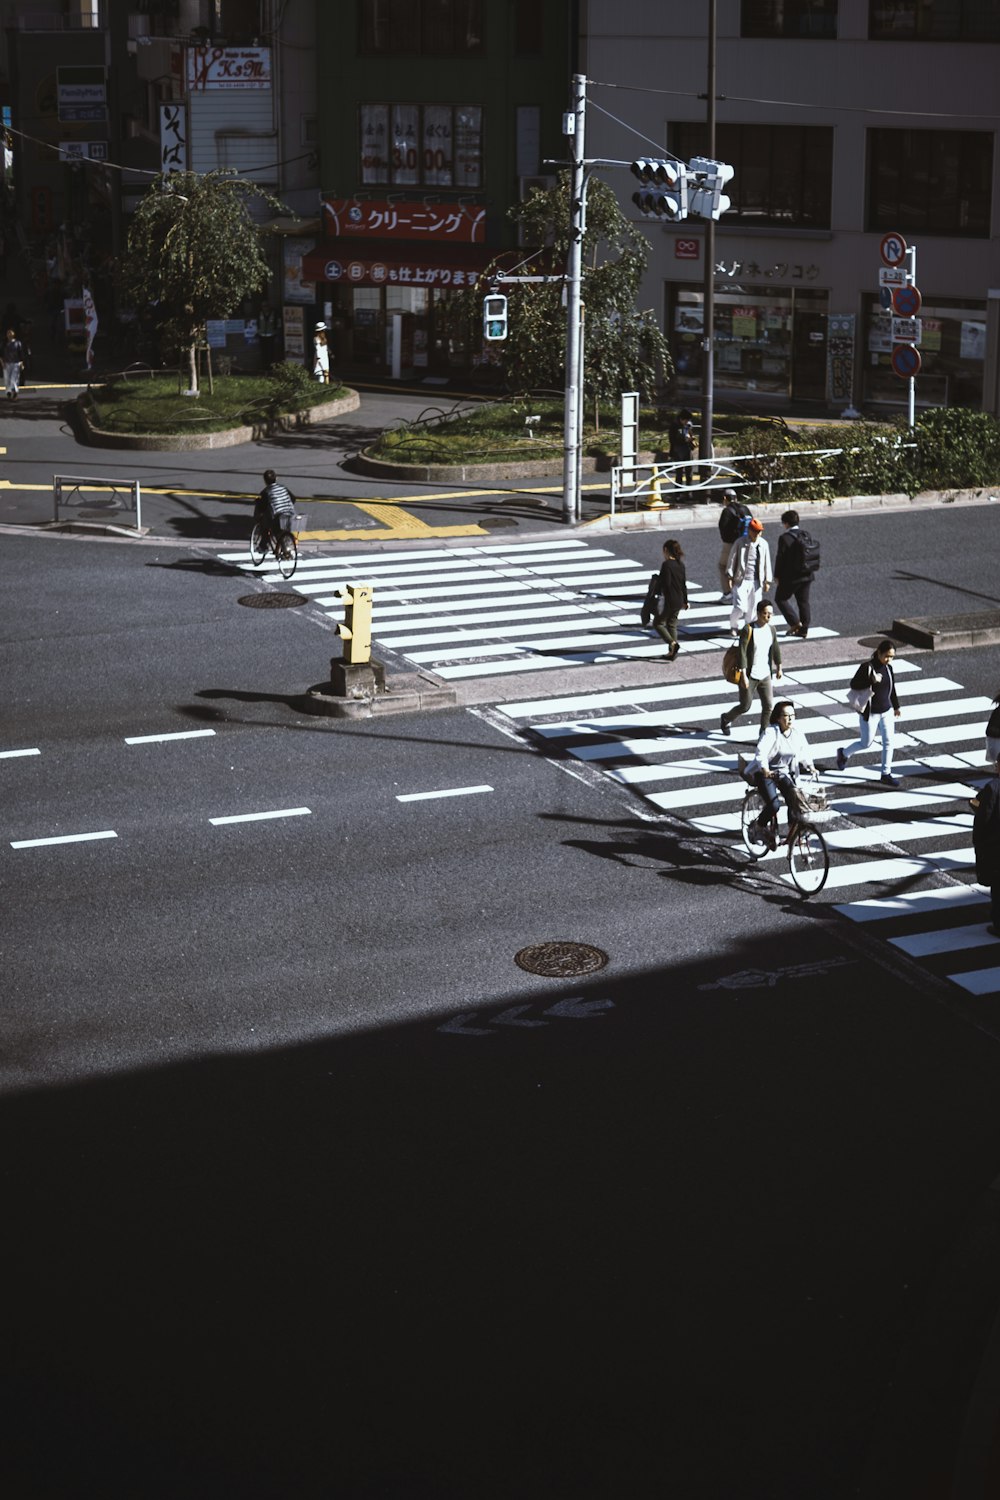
(734, 522)
(810, 551)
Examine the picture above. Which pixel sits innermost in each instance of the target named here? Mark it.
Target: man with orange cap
(749, 574)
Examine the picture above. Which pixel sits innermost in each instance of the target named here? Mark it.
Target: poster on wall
(296, 287)
(973, 340)
(294, 332)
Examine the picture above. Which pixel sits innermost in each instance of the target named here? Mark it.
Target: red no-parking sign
(906, 301)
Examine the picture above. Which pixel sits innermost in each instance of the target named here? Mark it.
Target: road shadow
(444, 1259)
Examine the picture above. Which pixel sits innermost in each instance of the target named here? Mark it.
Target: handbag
(859, 698)
(731, 669)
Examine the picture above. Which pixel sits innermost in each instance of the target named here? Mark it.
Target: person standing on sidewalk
(13, 363)
(876, 678)
(760, 658)
(749, 574)
(321, 355)
(733, 519)
(792, 578)
(671, 589)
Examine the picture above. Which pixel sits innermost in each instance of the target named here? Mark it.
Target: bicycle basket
(299, 523)
(812, 799)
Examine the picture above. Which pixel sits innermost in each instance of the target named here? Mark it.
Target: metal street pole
(573, 427)
(708, 297)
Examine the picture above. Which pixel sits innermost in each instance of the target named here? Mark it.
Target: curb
(231, 437)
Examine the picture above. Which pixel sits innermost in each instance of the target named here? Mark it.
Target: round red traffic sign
(906, 301)
(892, 249)
(906, 361)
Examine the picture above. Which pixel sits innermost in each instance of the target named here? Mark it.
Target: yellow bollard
(656, 500)
(356, 631)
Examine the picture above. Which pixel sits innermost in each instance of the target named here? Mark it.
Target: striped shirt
(278, 499)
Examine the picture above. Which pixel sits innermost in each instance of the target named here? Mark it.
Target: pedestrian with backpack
(734, 518)
(795, 564)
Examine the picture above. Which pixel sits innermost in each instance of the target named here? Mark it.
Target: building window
(527, 28)
(795, 18)
(429, 145)
(930, 181)
(782, 173)
(952, 353)
(436, 28)
(934, 21)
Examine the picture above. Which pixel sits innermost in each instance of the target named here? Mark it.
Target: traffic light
(664, 194)
(706, 180)
(494, 317)
(356, 631)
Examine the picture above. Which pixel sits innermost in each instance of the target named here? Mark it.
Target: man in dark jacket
(986, 843)
(792, 579)
(732, 519)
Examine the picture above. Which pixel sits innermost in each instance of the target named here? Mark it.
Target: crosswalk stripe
(493, 609)
(663, 744)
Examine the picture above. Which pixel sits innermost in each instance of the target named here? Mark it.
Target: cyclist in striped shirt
(275, 505)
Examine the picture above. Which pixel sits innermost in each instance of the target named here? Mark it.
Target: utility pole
(708, 298)
(574, 123)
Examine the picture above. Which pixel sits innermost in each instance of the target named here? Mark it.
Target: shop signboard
(82, 93)
(214, 68)
(399, 218)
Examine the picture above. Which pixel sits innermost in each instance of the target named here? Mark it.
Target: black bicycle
(808, 855)
(265, 539)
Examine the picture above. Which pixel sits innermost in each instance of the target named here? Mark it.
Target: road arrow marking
(458, 1024)
(510, 1017)
(578, 1010)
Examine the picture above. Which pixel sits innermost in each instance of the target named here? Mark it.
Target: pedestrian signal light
(707, 178)
(356, 630)
(494, 317)
(664, 184)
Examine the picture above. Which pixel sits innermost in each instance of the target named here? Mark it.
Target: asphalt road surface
(312, 1190)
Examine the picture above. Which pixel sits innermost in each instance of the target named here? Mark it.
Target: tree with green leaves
(193, 253)
(624, 349)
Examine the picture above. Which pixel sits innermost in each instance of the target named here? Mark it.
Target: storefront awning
(392, 262)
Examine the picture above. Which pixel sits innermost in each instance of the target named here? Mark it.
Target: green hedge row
(950, 448)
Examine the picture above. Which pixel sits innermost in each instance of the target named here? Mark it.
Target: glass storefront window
(768, 340)
(952, 354)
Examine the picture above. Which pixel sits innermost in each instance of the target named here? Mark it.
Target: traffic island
(358, 690)
(949, 632)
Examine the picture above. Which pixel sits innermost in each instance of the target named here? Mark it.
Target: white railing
(696, 479)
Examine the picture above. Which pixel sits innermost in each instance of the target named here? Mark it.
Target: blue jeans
(885, 723)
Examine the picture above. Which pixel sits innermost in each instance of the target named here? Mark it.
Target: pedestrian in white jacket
(749, 574)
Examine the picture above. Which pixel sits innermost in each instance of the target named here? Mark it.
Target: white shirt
(763, 640)
(781, 750)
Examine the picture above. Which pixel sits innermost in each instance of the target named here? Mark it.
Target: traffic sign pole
(911, 252)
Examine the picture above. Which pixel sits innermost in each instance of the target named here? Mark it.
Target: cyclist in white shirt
(782, 753)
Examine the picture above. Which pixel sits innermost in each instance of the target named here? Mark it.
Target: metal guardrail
(75, 495)
(670, 483)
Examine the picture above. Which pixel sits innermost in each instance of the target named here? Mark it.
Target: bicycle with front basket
(283, 545)
(805, 847)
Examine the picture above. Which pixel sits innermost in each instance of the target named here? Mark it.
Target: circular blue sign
(906, 361)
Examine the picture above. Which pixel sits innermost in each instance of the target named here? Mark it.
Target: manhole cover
(491, 523)
(272, 601)
(561, 960)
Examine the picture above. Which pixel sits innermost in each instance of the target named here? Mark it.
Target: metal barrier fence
(75, 499)
(697, 478)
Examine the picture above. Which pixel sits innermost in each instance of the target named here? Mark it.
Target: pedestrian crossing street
(901, 858)
(489, 610)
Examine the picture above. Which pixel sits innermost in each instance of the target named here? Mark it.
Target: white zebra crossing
(493, 609)
(901, 857)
